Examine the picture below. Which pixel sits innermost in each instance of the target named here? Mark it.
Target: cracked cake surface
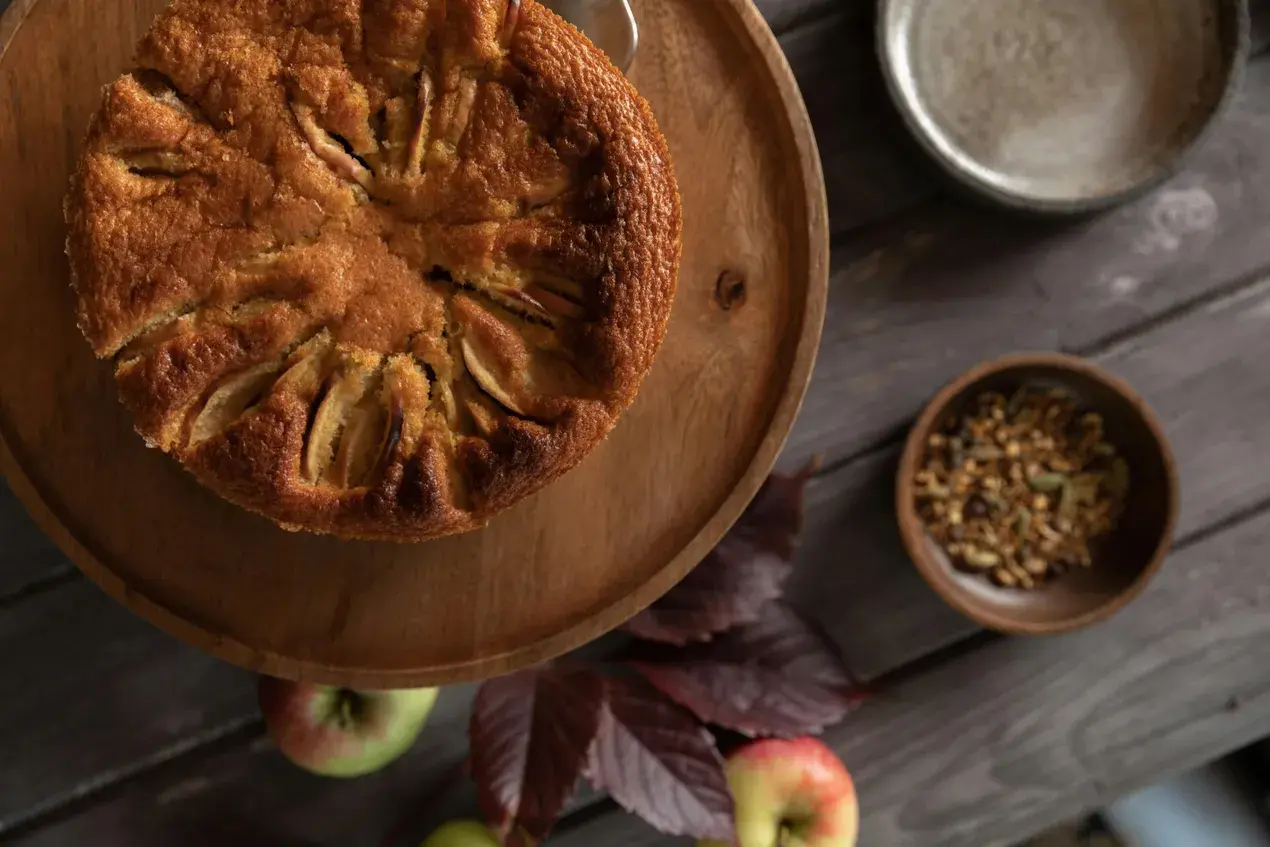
(377, 268)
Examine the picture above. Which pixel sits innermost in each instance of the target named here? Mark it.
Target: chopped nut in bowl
(1037, 494)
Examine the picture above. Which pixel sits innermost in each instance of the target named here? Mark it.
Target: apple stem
(347, 707)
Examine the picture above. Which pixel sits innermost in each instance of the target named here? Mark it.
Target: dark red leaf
(530, 735)
(772, 677)
(744, 572)
(658, 762)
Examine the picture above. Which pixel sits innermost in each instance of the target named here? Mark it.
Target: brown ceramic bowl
(1123, 560)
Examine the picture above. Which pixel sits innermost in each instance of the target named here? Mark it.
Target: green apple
(462, 834)
(791, 794)
(340, 732)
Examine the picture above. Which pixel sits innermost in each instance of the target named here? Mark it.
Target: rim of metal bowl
(1236, 11)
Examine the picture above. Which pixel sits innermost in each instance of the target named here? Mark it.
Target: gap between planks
(238, 733)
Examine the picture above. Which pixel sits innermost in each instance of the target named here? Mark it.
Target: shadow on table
(854, 579)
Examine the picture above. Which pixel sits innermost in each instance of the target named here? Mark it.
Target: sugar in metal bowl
(1061, 105)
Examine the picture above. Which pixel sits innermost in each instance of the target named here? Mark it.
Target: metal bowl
(1061, 106)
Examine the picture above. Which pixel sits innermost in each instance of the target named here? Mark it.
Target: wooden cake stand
(560, 569)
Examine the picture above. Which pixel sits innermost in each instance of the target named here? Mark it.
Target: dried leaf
(743, 573)
(659, 763)
(530, 736)
(773, 677)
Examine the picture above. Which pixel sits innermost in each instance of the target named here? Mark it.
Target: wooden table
(114, 734)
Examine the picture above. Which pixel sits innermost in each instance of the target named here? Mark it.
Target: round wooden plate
(560, 569)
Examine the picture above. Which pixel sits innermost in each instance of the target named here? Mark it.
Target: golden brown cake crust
(379, 268)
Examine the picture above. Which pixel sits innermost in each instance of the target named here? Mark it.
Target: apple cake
(377, 268)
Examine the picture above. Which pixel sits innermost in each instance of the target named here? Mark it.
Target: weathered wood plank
(873, 167)
(1020, 734)
(925, 295)
(1203, 373)
(27, 557)
(91, 692)
(785, 15)
(854, 579)
(1260, 10)
(249, 796)
(124, 698)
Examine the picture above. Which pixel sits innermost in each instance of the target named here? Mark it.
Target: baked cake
(378, 268)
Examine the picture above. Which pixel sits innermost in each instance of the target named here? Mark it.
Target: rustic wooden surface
(1020, 734)
(132, 739)
(727, 385)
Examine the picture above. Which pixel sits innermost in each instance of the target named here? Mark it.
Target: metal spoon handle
(610, 24)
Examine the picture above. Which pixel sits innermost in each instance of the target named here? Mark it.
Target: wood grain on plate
(655, 497)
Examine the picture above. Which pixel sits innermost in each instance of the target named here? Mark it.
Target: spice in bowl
(1017, 489)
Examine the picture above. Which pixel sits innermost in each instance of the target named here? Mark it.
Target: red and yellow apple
(462, 834)
(340, 732)
(793, 793)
